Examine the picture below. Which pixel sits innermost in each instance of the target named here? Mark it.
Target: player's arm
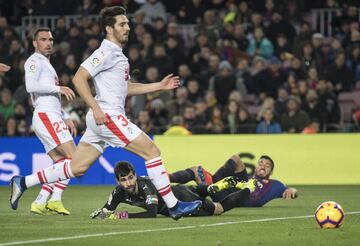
(109, 207)
(81, 84)
(290, 193)
(169, 82)
(33, 70)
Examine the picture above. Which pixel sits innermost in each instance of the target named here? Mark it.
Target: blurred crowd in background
(245, 66)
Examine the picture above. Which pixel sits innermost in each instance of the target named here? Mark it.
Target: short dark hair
(108, 14)
(123, 168)
(40, 29)
(268, 158)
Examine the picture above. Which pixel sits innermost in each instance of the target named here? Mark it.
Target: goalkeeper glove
(120, 215)
(100, 213)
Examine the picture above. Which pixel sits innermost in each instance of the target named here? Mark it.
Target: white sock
(160, 179)
(44, 194)
(59, 187)
(60, 171)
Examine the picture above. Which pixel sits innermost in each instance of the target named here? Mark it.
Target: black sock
(228, 169)
(22, 183)
(234, 199)
(182, 177)
(201, 190)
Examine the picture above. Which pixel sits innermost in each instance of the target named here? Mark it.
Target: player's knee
(239, 165)
(79, 170)
(152, 152)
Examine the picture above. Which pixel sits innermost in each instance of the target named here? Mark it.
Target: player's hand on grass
(290, 193)
(67, 92)
(119, 215)
(170, 82)
(101, 213)
(72, 127)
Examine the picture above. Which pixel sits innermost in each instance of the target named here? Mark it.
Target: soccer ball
(329, 215)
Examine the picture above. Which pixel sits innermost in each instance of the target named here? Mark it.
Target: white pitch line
(158, 230)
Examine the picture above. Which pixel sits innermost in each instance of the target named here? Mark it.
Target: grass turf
(227, 229)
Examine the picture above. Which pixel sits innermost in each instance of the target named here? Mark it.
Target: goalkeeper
(140, 192)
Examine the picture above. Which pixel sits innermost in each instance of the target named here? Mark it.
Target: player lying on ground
(267, 189)
(140, 192)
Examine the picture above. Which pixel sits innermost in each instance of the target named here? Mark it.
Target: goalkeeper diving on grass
(140, 192)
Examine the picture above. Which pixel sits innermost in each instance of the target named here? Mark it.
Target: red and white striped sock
(59, 187)
(60, 171)
(160, 179)
(45, 192)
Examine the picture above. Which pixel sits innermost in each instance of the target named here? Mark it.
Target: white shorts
(50, 129)
(118, 132)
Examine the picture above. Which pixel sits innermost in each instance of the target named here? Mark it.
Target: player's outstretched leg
(39, 205)
(225, 183)
(17, 188)
(184, 208)
(55, 203)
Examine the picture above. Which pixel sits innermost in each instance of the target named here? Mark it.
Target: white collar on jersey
(41, 56)
(112, 45)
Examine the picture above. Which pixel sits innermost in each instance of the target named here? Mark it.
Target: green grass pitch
(278, 223)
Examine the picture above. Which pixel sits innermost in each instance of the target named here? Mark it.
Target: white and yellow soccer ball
(329, 215)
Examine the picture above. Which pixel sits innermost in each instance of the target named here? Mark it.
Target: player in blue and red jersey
(232, 173)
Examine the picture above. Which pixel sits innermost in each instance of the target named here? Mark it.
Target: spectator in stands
(87, 8)
(268, 104)
(329, 99)
(194, 91)
(144, 122)
(216, 124)
(11, 128)
(271, 78)
(339, 75)
(159, 116)
(260, 45)
(307, 58)
(246, 124)
(353, 61)
(191, 11)
(7, 104)
(281, 100)
(239, 37)
(177, 106)
(295, 119)
(302, 91)
(312, 128)
(230, 117)
(315, 108)
(223, 83)
(210, 26)
(185, 73)
(153, 9)
(191, 122)
(136, 63)
(146, 46)
(280, 26)
(161, 61)
(268, 123)
(177, 127)
(174, 51)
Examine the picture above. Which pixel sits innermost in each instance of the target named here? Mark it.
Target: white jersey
(42, 83)
(109, 68)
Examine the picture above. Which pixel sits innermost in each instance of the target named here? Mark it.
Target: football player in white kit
(50, 123)
(107, 124)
